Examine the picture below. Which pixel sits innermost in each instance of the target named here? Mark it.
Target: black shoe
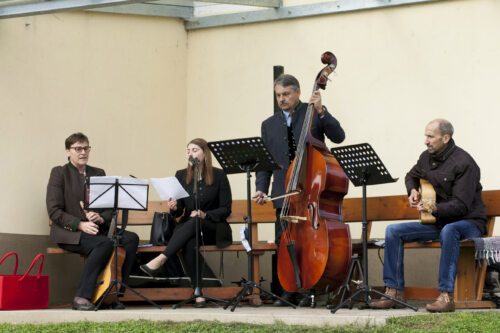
(82, 304)
(287, 297)
(148, 271)
(117, 305)
(305, 302)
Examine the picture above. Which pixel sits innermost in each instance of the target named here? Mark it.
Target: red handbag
(24, 292)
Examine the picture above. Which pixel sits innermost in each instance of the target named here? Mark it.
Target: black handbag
(162, 228)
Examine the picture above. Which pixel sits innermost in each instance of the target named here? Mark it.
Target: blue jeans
(449, 236)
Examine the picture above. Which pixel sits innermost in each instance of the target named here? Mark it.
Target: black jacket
(215, 200)
(455, 177)
(275, 136)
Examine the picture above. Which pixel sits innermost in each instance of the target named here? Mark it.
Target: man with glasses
(77, 230)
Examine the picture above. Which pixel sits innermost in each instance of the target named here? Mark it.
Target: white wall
(119, 79)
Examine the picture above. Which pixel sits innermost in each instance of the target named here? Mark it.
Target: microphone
(193, 161)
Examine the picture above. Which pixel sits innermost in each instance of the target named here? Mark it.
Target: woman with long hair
(214, 207)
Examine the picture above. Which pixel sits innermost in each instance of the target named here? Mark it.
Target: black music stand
(238, 156)
(117, 193)
(363, 167)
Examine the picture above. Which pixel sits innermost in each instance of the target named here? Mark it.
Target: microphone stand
(198, 292)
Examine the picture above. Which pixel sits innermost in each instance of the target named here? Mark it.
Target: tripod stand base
(345, 287)
(196, 294)
(248, 287)
(366, 291)
(115, 284)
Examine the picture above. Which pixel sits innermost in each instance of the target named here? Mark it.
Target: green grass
(467, 322)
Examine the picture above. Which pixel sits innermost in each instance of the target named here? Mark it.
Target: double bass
(315, 246)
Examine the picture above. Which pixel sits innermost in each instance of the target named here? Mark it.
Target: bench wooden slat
(179, 294)
(395, 207)
(435, 244)
(261, 246)
(56, 250)
(260, 213)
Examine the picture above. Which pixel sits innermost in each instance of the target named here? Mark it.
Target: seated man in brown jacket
(77, 230)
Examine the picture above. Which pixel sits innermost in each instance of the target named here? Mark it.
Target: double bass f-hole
(313, 215)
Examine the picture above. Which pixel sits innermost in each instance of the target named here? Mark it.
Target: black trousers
(184, 238)
(98, 249)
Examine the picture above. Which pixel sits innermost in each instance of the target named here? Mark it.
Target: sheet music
(244, 240)
(132, 192)
(169, 188)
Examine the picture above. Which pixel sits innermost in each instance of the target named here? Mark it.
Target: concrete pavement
(246, 314)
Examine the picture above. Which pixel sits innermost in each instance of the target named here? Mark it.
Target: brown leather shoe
(444, 303)
(386, 303)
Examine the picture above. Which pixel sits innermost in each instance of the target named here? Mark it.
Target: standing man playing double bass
(280, 133)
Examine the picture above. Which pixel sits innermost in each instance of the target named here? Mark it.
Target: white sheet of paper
(169, 188)
(132, 192)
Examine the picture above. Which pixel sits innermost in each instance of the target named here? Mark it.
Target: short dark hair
(445, 127)
(74, 138)
(287, 80)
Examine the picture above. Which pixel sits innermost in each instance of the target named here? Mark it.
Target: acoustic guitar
(428, 197)
(109, 274)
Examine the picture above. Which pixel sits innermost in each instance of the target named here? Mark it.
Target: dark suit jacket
(215, 200)
(275, 136)
(65, 190)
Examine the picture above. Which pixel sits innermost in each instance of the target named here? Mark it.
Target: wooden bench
(470, 277)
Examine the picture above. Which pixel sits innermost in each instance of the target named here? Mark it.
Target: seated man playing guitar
(458, 211)
(85, 232)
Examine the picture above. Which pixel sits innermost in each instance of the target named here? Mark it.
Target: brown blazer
(65, 190)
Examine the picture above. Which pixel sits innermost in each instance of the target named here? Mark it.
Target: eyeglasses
(81, 149)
